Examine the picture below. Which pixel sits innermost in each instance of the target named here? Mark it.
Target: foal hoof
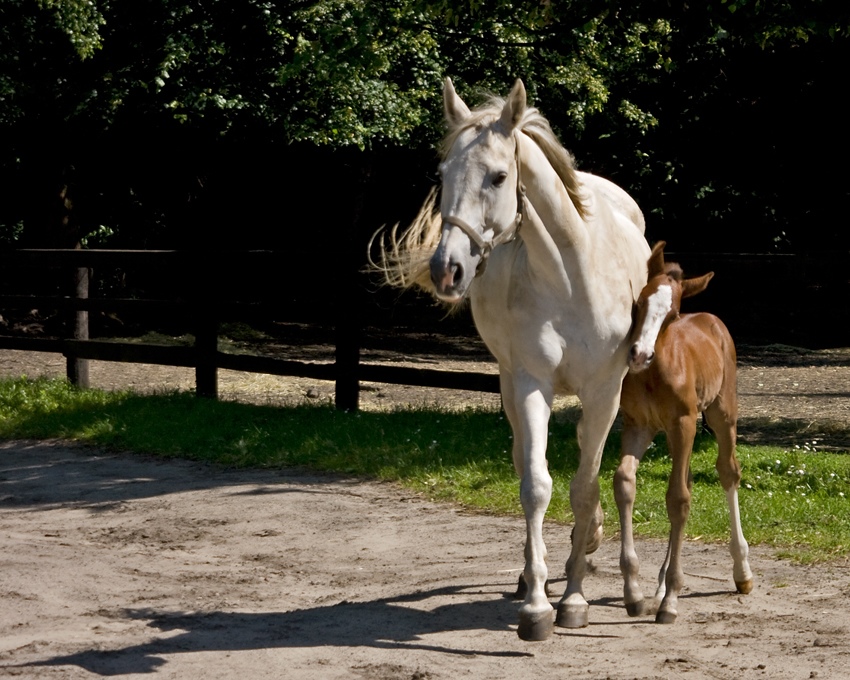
(535, 627)
(665, 616)
(572, 615)
(744, 587)
(638, 608)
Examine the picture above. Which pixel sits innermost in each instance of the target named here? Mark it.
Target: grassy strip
(797, 500)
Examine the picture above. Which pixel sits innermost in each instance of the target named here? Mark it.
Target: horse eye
(499, 180)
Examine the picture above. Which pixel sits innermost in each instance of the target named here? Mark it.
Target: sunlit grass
(797, 500)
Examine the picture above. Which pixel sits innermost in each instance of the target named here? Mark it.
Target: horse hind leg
(729, 471)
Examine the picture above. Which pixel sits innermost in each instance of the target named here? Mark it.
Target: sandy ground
(127, 566)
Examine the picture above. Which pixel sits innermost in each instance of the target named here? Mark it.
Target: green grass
(796, 500)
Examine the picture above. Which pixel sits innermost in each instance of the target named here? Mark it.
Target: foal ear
(656, 259)
(455, 110)
(514, 108)
(693, 286)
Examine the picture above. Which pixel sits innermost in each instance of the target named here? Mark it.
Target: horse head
(658, 305)
(479, 201)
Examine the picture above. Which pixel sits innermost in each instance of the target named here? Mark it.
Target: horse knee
(535, 491)
(678, 506)
(729, 471)
(624, 486)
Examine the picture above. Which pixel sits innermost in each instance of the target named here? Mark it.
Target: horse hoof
(744, 587)
(638, 608)
(522, 588)
(535, 627)
(572, 615)
(666, 616)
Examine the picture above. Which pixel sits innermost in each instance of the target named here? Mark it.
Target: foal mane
(674, 271)
(405, 254)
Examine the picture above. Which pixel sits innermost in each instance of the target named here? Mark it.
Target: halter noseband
(486, 246)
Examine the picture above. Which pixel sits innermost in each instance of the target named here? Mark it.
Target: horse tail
(404, 255)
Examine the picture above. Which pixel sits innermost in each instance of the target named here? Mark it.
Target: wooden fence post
(201, 291)
(77, 369)
(348, 304)
(206, 346)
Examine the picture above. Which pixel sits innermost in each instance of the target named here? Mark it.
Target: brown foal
(679, 366)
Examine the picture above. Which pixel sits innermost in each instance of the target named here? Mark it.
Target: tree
(153, 113)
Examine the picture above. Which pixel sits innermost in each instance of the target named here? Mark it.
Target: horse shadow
(388, 623)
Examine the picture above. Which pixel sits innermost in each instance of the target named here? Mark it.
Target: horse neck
(553, 232)
(549, 197)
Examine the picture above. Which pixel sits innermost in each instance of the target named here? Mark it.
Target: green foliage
(794, 500)
(736, 95)
(80, 20)
(360, 73)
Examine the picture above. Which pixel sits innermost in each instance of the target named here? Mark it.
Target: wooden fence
(202, 292)
(794, 299)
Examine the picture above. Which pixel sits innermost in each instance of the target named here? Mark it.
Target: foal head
(658, 305)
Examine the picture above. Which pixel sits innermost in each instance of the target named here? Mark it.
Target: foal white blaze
(681, 366)
(658, 306)
(548, 304)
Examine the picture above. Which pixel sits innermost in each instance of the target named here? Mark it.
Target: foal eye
(499, 179)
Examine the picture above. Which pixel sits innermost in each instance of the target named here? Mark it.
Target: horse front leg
(532, 410)
(635, 441)
(599, 408)
(680, 441)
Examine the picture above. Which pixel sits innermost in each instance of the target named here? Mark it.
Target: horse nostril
(457, 274)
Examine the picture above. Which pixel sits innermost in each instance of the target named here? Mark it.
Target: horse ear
(656, 259)
(455, 110)
(514, 107)
(691, 287)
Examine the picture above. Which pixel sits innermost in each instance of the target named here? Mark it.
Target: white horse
(552, 300)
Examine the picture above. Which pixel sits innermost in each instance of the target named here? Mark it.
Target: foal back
(694, 371)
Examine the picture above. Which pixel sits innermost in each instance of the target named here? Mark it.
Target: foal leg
(661, 588)
(599, 408)
(635, 441)
(533, 408)
(680, 440)
(729, 471)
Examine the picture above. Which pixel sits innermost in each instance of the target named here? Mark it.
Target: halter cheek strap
(475, 235)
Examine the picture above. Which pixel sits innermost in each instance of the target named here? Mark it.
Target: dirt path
(119, 565)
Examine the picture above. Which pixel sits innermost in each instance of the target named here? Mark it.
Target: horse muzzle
(449, 279)
(640, 358)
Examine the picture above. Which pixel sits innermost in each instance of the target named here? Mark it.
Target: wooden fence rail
(794, 299)
(196, 296)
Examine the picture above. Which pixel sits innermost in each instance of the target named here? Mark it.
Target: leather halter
(486, 246)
